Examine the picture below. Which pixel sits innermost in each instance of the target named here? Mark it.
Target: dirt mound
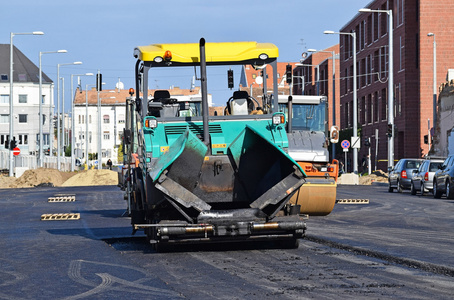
(41, 176)
(376, 176)
(93, 177)
(53, 177)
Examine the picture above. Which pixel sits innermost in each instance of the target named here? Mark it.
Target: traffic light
(288, 73)
(426, 139)
(367, 142)
(230, 78)
(390, 130)
(7, 143)
(99, 82)
(13, 143)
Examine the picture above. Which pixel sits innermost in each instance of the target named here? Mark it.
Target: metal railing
(30, 161)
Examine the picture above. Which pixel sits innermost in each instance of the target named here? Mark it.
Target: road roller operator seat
(239, 104)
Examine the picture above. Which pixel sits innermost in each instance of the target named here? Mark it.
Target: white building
(113, 104)
(25, 102)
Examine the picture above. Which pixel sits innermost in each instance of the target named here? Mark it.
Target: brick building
(413, 72)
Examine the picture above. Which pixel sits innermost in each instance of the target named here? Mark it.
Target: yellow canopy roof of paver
(214, 52)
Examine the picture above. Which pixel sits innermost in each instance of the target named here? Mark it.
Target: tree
(120, 153)
(68, 150)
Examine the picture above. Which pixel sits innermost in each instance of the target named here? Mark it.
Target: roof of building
(116, 96)
(24, 69)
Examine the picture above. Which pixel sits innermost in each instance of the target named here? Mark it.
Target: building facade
(412, 72)
(25, 102)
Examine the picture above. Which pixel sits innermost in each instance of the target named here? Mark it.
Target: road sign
(345, 144)
(356, 142)
(16, 151)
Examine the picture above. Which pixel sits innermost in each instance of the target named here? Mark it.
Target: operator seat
(240, 104)
(158, 104)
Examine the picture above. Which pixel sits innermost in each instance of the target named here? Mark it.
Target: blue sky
(103, 34)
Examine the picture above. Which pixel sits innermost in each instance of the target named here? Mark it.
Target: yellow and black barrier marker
(352, 201)
(60, 217)
(62, 199)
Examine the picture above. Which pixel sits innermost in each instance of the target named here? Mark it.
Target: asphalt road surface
(398, 246)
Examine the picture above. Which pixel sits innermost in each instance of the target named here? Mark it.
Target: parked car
(422, 180)
(443, 182)
(400, 176)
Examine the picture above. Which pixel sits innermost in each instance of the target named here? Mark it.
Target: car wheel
(390, 188)
(399, 187)
(449, 190)
(437, 193)
(412, 189)
(422, 189)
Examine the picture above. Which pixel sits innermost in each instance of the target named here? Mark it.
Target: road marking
(62, 216)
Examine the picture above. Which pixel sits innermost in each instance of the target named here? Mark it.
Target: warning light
(168, 55)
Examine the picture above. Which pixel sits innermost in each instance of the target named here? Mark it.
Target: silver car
(400, 176)
(422, 180)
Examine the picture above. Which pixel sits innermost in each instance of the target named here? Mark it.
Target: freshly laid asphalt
(398, 245)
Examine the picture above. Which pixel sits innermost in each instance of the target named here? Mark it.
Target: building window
(106, 119)
(106, 135)
(346, 115)
(4, 77)
(22, 118)
(363, 72)
(369, 29)
(4, 119)
(121, 119)
(384, 105)
(376, 116)
(383, 62)
(376, 26)
(362, 112)
(23, 139)
(4, 99)
(376, 65)
(22, 98)
(383, 21)
(346, 81)
(401, 49)
(369, 109)
(89, 119)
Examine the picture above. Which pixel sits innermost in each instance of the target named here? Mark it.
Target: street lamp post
(11, 102)
(355, 99)
(434, 86)
(333, 53)
(73, 149)
(390, 83)
(86, 122)
(58, 109)
(40, 155)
